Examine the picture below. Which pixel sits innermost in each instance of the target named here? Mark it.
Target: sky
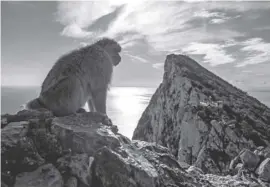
(230, 39)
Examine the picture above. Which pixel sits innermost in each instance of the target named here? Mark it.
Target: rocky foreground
(197, 131)
(86, 150)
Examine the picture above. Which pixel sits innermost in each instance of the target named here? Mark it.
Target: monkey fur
(80, 76)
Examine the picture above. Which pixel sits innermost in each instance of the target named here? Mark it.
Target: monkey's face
(116, 59)
(113, 51)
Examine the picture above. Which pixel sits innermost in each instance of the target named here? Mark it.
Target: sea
(125, 105)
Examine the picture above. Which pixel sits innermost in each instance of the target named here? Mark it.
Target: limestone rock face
(251, 167)
(84, 133)
(264, 170)
(140, 164)
(18, 152)
(72, 182)
(67, 142)
(76, 165)
(201, 118)
(46, 175)
(249, 159)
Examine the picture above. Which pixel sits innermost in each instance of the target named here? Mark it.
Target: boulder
(249, 159)
(194, 170)
(140, 164)
(263, 152)
(77, 165)
(25, 115)
(264, 170)
(84, 133)
(71, 182)
(18, 152)
(46, 175)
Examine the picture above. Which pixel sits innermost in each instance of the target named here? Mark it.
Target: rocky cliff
(86, 150)
(202, 119)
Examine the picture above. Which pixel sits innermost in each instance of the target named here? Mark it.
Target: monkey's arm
(99, 99)
(91, 105)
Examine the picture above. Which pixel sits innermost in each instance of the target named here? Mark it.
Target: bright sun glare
(128, 101)
(125, 106)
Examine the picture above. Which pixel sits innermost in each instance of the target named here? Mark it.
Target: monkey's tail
(34, 104)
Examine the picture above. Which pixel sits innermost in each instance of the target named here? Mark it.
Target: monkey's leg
(100, 100)
(65, 97)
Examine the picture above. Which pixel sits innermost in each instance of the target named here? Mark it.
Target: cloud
(128, 44)
(218, 21)
(208, 14)
(165, 26)
(144, 18)
(75, 31)
(76, 16)
(173, 31)
(253, 50)
(130, 40)
(141, 17)
(239, 6)
(214, 54)
(137, 58)
(215, 17)
(83, 44)
(230, 43)
(168, 42)
(257, 51)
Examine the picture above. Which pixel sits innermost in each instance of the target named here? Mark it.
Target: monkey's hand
(103, 118)
(107, 121)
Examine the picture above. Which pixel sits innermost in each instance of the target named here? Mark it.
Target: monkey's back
(67, 85)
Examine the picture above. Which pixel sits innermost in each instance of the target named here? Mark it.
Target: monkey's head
(112, 48)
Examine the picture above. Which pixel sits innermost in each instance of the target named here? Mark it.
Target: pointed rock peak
(183, 61)
(201, 118)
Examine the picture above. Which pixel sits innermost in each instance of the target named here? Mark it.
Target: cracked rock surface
(201, 118)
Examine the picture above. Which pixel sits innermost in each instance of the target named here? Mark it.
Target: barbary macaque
(80, 76)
